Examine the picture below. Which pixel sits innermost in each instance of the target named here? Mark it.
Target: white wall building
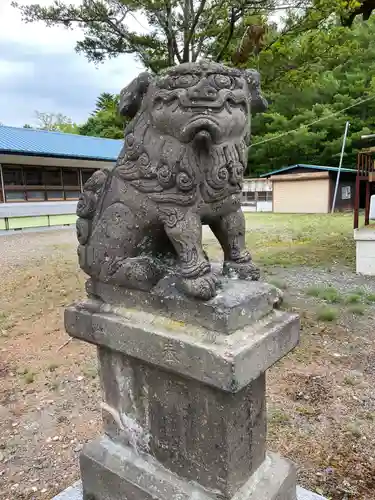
(257, 195)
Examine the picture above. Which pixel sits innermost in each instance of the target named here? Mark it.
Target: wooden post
(367, 206)
(80, 179)
(2, 184)
(357, 192)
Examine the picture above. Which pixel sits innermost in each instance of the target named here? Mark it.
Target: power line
(314, 122)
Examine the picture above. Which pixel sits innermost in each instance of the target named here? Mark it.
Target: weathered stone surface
(228, 362)
(182, 165)
(114, 472)
(201, 433)
(303, 494)
(238, 303)
(74, 492)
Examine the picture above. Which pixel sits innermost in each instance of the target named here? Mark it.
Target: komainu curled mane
(181, 166)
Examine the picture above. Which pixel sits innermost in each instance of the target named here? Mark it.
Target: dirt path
(320, 397)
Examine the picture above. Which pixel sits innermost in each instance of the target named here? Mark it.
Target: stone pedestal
(365, 250)
(183, 384)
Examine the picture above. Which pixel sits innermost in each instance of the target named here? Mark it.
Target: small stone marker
(183, 347)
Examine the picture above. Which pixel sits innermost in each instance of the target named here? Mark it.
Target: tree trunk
(186, 52)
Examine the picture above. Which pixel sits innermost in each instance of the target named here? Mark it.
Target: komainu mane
(181, 166)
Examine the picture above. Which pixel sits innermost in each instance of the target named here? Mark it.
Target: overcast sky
(40, 70)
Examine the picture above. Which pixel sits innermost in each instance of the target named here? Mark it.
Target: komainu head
(202, 102)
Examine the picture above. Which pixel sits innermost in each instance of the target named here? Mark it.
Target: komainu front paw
(241, 270)
(203, 288)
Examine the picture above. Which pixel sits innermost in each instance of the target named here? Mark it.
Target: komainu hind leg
(142, 272)
(230, 232)
(117, 253)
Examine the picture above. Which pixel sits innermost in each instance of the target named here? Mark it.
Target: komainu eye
(185, 81)
(223, 81)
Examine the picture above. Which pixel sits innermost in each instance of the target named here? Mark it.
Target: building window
(27, 183)
(346, 192)
(72, 195)
(248, 196)
(55, 195)
(12, 176)
(52, 177)
(33, 176)
(35, 195)
(265, 196)
(14, 196)
(70, 177)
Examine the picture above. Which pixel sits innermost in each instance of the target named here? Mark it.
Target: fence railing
(365, 164)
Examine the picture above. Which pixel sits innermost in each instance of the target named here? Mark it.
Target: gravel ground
(18, 248)
(344, 281)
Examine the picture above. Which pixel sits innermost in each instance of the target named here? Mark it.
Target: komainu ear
(258, 103)
(131, 96)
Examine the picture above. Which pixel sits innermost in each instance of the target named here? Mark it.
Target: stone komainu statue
(181, 166)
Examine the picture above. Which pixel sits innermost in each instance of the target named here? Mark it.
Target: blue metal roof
(311, 167)
(14, 140)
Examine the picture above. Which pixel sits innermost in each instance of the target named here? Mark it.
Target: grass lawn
(293, 240)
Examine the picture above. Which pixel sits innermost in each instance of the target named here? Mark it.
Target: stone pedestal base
(184, 409)
(74, 492)
(365, 250)
(115, 472)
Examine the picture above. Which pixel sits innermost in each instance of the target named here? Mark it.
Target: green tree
(105, 120)
(177, 30)
(180, 30)
(351, 9)
(311, 80)
(54, 122)
(106, 101)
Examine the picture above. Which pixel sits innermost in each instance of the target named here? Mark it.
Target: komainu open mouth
(201, 124)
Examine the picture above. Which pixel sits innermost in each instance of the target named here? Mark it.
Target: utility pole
(340, 165)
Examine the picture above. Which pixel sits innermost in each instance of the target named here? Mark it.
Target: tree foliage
(357, 8)
(176, 31)
(179, 31)
(312, 80)
(105, 121)
(56, 122)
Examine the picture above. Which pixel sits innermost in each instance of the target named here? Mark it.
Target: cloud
(39, 70)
